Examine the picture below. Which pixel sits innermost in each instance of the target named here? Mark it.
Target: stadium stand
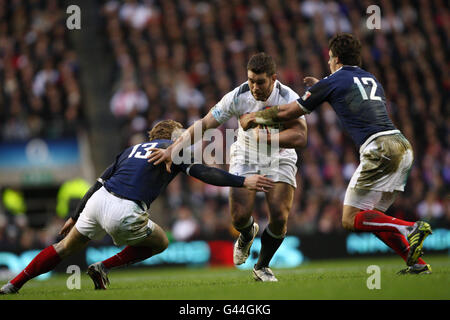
(40, 96)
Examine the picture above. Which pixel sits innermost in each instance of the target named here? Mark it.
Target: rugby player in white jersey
(246, 158)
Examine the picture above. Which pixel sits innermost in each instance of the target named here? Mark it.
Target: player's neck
(338, 67)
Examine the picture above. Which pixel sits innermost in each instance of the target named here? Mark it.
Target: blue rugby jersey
(357, 98)
(132, 177)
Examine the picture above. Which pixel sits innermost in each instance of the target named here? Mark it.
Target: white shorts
(384, 167)
(279, 164)
(369, 199)
(279, 170)
(124, 220)
(384, 164)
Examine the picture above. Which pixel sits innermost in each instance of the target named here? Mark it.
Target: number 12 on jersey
(146, 147)
(366, 81)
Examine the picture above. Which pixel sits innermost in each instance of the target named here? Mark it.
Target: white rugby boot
(241, 248)
(99, 276)
(9, 288)
(264, 274)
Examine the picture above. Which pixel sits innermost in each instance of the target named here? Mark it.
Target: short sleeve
(292, 96)
(315, 96)
(225, 108)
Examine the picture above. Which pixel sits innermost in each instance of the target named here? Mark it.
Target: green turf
(331, 279)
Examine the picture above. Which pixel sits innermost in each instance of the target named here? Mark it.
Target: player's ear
(274, 77)
(337, 60)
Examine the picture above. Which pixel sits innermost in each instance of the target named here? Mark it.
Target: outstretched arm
(291, 110)
(272, 115)
(219, 177)
(189, 137)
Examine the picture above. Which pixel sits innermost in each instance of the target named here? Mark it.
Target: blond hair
(164, 130)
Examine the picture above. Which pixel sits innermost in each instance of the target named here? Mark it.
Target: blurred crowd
(40, 90)
(40, 96)
(177, 59)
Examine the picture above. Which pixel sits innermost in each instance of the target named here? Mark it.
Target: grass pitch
(330, 280)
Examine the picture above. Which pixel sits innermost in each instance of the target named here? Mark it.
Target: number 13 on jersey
(146, 147)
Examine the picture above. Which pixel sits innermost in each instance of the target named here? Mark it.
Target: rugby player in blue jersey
(117, 204)
(386, 155)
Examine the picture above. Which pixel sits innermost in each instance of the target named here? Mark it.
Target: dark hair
(262, 62)
(164, 130)
(347, 48)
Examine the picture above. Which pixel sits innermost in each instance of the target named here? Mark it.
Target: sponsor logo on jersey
(306, 95)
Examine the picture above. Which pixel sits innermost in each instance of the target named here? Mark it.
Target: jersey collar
(345, 66)
(272, 94)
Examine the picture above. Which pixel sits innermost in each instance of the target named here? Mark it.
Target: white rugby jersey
(241, 101)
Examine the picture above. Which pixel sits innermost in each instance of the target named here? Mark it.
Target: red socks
(390, 230)
(44, 262)
(376, 221)
(127, 256)
(398, 243)
(48, 259)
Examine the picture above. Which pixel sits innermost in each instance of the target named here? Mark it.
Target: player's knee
(278, 223)
(163, 245)
(159, 247)
(348, 222)
(348, 217)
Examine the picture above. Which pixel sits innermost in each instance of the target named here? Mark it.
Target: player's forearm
(279, 113)
(289, 111)
(215, 176)
(289, 138)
